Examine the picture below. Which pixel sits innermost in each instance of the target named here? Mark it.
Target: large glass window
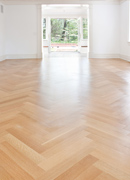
(85, 28)
(44, 28)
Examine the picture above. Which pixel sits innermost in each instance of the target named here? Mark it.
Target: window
(85, 28)
(44, 28)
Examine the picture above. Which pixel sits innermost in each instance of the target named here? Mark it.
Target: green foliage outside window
(44, 28)
(85, 28)
(64, 31)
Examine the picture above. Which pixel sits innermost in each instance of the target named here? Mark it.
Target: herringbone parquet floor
(65, 118)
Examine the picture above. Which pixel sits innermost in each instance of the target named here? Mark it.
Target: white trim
(56, 16)
(91, 55)
(49, 33)
(109, 56)
(124, 57)
(21, 56)
(90, 30)
(2, 58)
(79, 33)
(103, 56)
(39, 31)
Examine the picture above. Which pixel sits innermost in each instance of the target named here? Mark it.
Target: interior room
(64, 90)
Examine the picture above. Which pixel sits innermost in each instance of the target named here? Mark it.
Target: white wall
(21, 31)
(104, 31)
(108, 31)
(124, 28)
(2, 35)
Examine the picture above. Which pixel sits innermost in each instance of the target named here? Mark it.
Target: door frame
(82, 42)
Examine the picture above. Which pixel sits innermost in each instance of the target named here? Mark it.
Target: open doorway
(65, 28)
(64, 34)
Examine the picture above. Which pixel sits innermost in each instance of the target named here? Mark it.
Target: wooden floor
(65, 118)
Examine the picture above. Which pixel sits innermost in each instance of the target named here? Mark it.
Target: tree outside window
(44, 28)
(85, 28)
(64, 30)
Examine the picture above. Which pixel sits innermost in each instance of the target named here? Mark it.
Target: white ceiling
(54, 1)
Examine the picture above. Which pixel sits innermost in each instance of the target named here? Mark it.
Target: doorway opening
(64, 34)
(65, 28)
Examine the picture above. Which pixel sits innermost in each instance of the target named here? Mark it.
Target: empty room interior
(64, 90)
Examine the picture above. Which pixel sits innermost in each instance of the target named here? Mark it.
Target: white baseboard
(22, 56)
(91, 55)
(2, 58)
(109, 56)
(124, 57)
(103, 56)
